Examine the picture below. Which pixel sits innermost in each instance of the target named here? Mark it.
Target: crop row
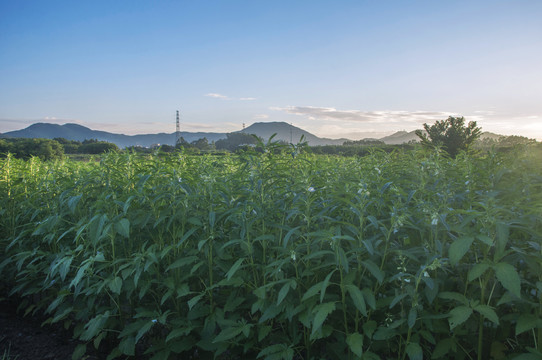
(281, 254)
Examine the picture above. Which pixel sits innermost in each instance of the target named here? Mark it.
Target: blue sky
(335, 68)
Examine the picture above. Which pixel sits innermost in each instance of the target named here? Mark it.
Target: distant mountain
(81, 133)
(285, 132)
(400, 137)
(289, 133)
(76, 132)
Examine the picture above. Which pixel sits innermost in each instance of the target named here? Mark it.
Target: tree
(97, 147)
(234, 140)
(201, 144)
(451, 134)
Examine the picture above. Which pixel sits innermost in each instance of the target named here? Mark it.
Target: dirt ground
(22, 338)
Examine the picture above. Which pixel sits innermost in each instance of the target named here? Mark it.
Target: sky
(338, 69)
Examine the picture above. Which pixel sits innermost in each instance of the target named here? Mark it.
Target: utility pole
(291, 134)
(177, 129)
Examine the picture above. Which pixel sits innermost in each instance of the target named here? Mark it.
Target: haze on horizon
(348, 69)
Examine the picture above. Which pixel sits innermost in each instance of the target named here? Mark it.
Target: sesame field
(280, 254)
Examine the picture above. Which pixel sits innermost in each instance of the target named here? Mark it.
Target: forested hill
(284, 131)
(81, 133)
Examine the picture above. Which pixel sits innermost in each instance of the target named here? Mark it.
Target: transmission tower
(177, 129)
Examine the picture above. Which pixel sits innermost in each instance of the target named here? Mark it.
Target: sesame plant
(275, 253)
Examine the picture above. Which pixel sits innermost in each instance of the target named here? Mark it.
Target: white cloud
(217, 96)
(260, 116)
(383, 116)
(247, 98)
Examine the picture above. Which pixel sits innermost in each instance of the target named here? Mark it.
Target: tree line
(49, 149)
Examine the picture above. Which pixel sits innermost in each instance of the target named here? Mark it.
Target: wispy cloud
(217, 96)
(225, 97)
(260, 116)
(326, 113)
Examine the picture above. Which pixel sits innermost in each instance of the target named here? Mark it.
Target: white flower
(434, 219)
(407, 280)
(292, 255)
(311, 189)
(426, 274)
(154, 320)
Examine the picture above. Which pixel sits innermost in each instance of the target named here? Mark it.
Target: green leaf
(234, 268)
(80, 273)
(127, 346)
(192, 302)
(143, 330)
(288, 236)
(283, 292)
(65, 267)
(322, 311)
(343, 260)
(458, 316)
(72, 203)
(123, 227)
(325, 283)
(526, 323)
(369, 328)
(277, 352)
(79, 352)
(179, 332)
(313, 290)
(476, 271)
(357, 298)
(459, 248)
(412, 315)
(397, 299)
(228, 333)
(503, 233)
(369, 297)
(182, 262)
(355, 342)
(270, 313)
(94, 326)
(62, 314)
(448, 295)
(115, 285)
(527, 357)
(443, 348)
(414, 351)
(374, 270)
(488, 313)
(485, 239)
(508, 277)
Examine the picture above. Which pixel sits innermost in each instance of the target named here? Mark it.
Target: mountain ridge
(284, 132)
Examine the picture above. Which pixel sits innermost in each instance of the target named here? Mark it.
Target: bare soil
(23, 338)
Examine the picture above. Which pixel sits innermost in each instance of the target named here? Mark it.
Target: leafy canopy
(451, 134)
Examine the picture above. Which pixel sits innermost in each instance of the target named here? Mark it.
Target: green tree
(234, 140)
(201, 144)
(451, 134)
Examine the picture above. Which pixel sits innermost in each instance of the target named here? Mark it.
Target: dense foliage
(452, 134)
(281, 254)
(22, 148)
